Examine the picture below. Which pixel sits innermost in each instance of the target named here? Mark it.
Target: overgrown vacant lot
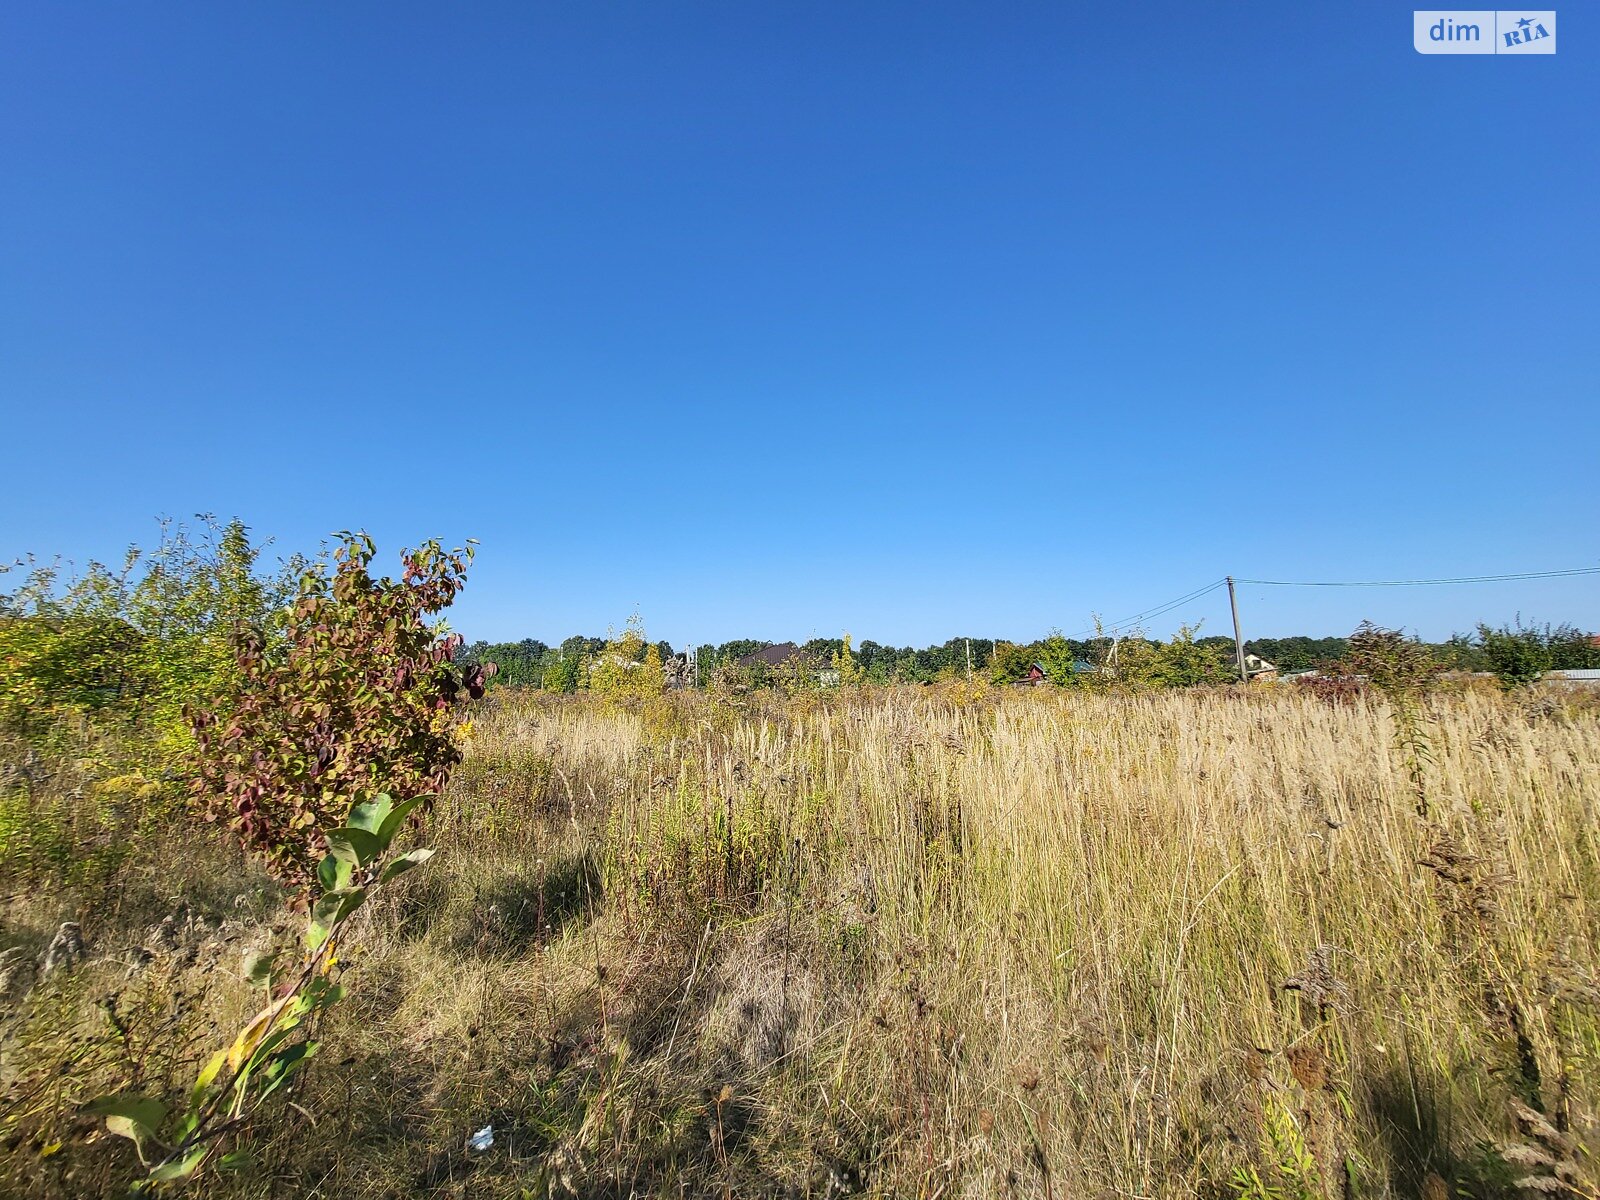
(908, 943)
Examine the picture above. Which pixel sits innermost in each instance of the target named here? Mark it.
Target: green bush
(131, 647)
(1517, 656)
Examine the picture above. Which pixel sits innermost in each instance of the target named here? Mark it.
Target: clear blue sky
(778, 320)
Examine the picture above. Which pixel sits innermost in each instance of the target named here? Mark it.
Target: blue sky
(779, 320)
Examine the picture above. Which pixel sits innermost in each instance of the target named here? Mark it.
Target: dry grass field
(918, 942)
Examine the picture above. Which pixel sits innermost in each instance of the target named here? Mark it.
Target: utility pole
(969, 660)
(1238, 638)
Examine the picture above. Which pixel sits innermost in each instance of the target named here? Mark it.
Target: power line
(1423, 582)
(1152, 613)
(1159, 610)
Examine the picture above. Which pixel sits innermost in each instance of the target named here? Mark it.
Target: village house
(1259, 668)
(1036, 676)
(788, 655)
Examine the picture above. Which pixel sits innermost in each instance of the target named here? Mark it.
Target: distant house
(787, 654)
(1259, 668)
(770, 656)
(1036, 676)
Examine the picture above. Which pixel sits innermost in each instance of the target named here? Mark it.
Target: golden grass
(912, 944)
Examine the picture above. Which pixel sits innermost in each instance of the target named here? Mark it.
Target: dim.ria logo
(1484, 31)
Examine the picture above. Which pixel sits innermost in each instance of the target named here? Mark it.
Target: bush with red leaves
(357, 697)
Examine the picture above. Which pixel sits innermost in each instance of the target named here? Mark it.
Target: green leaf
(326, 907)
(392, 823)
(258, 967)
(186, 1125)
(333, 874)
(358, 847)
(371, 814)
(328, 911)
(320, 993)
(237, 1160)
(208, 1073)
(349, 902)
(180, 1169)
(322, 916)
(269, 1046)
(286, 1064)
(134, 1117)
(408, 860)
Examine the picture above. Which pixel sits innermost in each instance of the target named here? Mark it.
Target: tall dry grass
(934, 943)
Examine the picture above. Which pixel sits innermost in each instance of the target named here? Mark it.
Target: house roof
(772, 656)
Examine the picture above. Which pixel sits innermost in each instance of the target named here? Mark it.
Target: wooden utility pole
(1238, 638)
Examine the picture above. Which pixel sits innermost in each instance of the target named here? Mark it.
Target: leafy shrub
(1010, 662)
(1393, 663)
(356, 699)
(1331, 686)
(136, 644)
(273, 1046)
(561, 675)
(844, 663)
(628, 666)
(1517, 656)
(1182, 662)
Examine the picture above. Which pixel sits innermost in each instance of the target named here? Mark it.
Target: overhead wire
(1420, 582)
(1152, 613)
(1162, 609)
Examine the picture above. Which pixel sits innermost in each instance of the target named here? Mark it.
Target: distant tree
(1517, 656)
(956, 650)
(561, 675)
(1059, 658)
(1181, 662)
(520, 664)
(1185, 662)
(1010, 661)
(844, 662)
(705, 658)
(1396, 665)
(821, 649)
(628, 665)
(1461, 653)
(1571, 649)
(733, 651)
(577, 646)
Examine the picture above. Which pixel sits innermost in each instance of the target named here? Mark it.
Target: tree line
(1515, 650)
